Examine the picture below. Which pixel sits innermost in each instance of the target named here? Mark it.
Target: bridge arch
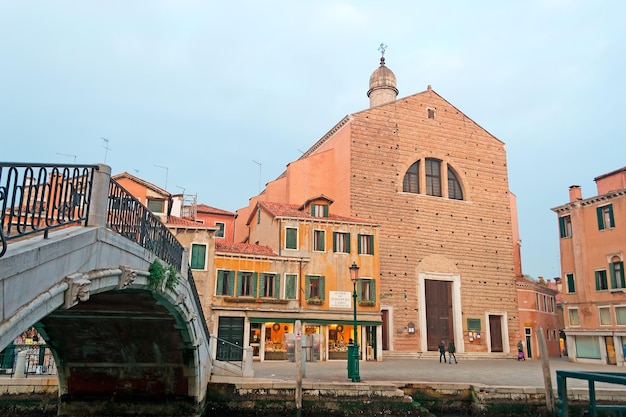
(113, 336)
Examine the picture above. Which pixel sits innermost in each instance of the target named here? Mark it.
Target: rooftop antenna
(260, 166)
(166, 171)
(182, 188)
(67, 154)
(106, 147)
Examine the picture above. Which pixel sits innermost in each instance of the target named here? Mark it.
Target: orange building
(437, 184)
(298, 268)
(223, 220)
(158, 200)
(537, 307)
(592, 244)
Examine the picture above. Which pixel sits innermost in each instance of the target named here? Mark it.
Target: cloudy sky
(214, 98)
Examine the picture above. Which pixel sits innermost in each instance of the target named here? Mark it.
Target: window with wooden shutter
(605, 217)
(366, 244)
(601, 280)
(291, 238)
(341, 242)
(291, 281)
(198, 256)
(571, 286)
(225, 283)
(617, 275)
(565, 226)
(319, 240)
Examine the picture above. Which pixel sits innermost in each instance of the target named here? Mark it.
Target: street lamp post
(354, 357)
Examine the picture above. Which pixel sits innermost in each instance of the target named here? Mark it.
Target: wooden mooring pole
(298, 334)
(545, 365)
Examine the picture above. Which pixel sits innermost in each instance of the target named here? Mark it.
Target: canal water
(9, 413)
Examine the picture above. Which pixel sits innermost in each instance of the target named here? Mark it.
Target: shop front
(325, 340)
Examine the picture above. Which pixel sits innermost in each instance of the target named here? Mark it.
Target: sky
(216, 98)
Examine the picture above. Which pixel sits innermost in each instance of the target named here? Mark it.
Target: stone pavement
(487, 372)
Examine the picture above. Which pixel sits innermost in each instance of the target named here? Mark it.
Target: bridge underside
(117, 345)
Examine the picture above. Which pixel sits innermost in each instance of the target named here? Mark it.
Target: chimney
(575, 193)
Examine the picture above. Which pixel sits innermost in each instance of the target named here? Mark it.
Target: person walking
(442, 352)
(451, 351)
(520, 351)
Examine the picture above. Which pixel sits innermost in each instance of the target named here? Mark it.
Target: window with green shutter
(366, 244)
(319, 238)
(198, 256)
(291, 238)
(269, 285)
(291, 282)
(601, 280)
(247, 284)
(319, 210)
(565, 226)
(366, 290)
(314, 287)
(225, 283)
(341, 242)
(617, 275)
(571, 287)
(605, 217)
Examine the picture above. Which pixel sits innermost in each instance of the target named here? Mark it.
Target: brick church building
(436, 182)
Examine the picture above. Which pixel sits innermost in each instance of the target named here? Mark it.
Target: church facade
(437, 184)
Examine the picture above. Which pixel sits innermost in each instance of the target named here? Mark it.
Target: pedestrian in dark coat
(451, 351)
(442, 352)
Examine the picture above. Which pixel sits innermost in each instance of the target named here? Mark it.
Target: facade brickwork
(474, 235)
(469, 243)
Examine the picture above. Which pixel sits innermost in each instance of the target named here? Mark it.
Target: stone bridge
(125, 327)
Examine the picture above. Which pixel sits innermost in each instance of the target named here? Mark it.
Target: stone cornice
(590, 201)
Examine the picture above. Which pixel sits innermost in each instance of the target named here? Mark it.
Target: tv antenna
(260, 167)
(106, 147)
(68, 155)
(166, 171)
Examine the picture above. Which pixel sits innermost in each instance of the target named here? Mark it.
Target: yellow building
(295, 265)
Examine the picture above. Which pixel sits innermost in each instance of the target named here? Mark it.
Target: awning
(313, 321)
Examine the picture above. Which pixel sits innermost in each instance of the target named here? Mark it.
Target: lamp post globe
(353, 356)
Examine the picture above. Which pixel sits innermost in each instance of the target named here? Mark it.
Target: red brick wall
(475, 234)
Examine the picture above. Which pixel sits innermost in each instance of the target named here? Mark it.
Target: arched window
(454, 186)
(433, 177)
(411, 179)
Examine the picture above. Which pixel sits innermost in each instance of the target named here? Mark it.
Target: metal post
(353, 371)
(356, 377)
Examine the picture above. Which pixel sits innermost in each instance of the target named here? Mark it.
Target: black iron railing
(131, 219)
(197, 302)
(36, 198)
